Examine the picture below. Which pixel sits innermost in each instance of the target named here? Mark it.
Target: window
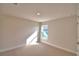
(44, 32)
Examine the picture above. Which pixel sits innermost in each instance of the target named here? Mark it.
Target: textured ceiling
(48, 11)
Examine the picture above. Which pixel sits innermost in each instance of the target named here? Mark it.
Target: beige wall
(14, 31)
(78, 21)
(62, 32)
(78, 30)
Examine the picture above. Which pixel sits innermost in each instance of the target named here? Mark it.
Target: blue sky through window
(44, 32)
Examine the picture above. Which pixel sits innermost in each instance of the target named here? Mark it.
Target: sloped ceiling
(48, 11)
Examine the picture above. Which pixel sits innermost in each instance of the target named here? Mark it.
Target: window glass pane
(44, 32)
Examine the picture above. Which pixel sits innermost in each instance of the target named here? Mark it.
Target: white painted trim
(7, 49)
(53, 45)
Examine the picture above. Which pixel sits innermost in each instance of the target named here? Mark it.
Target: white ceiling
(48, 11)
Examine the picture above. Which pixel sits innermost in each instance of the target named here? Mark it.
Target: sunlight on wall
(32, 40)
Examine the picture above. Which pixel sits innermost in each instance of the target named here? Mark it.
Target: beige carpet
(37, 50)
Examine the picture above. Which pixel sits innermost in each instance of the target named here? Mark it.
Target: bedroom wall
(14, 31)
(63, 32)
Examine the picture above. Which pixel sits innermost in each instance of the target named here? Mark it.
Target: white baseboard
(53, 45)
(7, 49)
